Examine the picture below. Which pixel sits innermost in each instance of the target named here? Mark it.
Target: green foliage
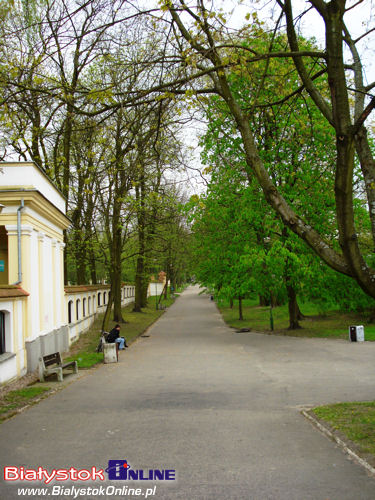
(329, 289)
(241, 246)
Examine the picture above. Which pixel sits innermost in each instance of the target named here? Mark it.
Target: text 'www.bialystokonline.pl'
(79, 491)
(118, 470)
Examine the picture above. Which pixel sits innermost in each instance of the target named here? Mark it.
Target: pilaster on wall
(33, 300)
(41, 280)
(55, 288)
(25, 257)
(26, 232)
(63, 317)
(48, 290)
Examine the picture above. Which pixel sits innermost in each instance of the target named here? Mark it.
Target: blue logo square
(117, 469)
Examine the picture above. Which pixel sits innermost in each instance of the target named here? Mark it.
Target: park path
(221, 408)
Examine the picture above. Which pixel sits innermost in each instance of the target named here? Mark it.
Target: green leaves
(233, 221)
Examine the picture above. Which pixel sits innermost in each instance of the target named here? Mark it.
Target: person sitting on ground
(114, 336)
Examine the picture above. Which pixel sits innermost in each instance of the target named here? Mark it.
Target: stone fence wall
(83, 302)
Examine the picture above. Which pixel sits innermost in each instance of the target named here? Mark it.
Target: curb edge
(344, 446)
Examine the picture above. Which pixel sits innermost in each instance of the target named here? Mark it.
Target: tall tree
(206, 53)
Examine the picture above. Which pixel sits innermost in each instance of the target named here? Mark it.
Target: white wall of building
(34, 291)
(97, 298)
(28, 175)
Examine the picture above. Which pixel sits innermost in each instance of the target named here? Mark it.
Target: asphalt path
(220, 408)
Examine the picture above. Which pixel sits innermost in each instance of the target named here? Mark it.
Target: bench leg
(75, 367)
(60, 375)
(41, 373)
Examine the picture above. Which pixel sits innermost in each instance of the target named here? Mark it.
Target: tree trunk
(263, 301)
(116, 252)
(145, 283)
(116, 294)
(89, 216)
(116, 275)
(78, 240)
(293, 308)
(107, 314)
(231, 302)
(35, 131)
(168, 276)
(240, 312)
(80, 255)
(138, 285)
(174, 283)
(92, 266)
(140, 192)
(161, 296)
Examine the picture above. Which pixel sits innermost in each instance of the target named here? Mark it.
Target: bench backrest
(52, 359)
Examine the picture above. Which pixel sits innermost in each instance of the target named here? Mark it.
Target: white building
(38, 316)
(32, 297)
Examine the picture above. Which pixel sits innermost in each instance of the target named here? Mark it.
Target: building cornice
(37, 201)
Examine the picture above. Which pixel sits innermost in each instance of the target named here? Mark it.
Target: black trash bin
(353, 333)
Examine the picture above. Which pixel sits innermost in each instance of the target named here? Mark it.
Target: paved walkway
(219, 407)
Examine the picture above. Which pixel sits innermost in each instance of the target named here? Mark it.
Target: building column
(55, 282)
(64, 312)
(41, 280)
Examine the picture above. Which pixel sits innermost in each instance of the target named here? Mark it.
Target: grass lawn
(355, 420)
(19, 398)
(83, 350)
(333, 324)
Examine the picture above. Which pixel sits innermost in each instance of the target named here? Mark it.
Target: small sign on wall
(2, 266)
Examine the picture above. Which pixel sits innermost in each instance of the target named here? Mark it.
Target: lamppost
(172, 281)
(267, 244)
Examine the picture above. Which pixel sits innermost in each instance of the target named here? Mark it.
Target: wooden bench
(52, 363)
